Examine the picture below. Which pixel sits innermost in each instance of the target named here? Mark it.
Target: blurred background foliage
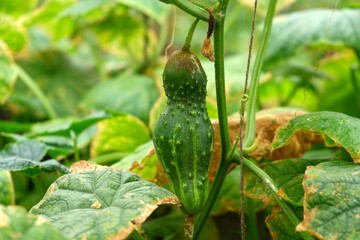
(61, 60)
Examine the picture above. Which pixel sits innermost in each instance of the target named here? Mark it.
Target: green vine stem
(75, 143)
(25, 77)
(225, 162)
(270, 184)
(109, 158)
(254, 83)
(189, 7)
(186, 47)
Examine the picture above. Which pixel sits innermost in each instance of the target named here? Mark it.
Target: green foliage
(120, 134)
(119, 94)
(297, 30)
(103, 203)
(8, 73)
(331, 205)
(16, 223)
(26, 157)
(340, 128)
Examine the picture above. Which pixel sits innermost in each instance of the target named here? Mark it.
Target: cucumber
(184, 136)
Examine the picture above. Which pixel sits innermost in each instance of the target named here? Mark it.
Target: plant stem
(136, 235)
(25, 77)
(270, 184)
(251, 108)
(109, 158)
(189, 36)
(223, 120)
(190, 8)
(251, 223)
(38, 186)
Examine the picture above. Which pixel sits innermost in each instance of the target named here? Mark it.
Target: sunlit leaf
(342, 129)
(104, 202)
(331, 204)
(120, 134)
(16, 223)
(12, 33)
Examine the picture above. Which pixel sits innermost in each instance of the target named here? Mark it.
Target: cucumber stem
(186, 47)
(254, 83)
(270, 184)
(190, 8)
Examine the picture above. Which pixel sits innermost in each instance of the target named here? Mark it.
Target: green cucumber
(184, 136)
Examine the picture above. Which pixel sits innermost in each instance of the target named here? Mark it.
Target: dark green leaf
(342, 129)
(26, 156)
(130, 94)
(16, 224)
(14, 127)
(332, 204)
(96, 202)
(299, 29)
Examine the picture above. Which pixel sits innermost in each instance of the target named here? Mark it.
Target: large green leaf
(131, 94)
(120, 134)
(16, 8)
(279, 227)
(340, 128)
(332, 204)
(7, 193)
(26, 156)
(68, 127)
(299, 29)
(16, 224)
(97, 202)
(12, 33)
(7, 73)
(154, 9)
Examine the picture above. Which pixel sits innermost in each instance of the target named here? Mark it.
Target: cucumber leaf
(332, 204)
(340, 128)
(279, 227)
(129, 94)
(26, 156)
(97, 202)
(120, 134)
(16, 223)
(296, 30)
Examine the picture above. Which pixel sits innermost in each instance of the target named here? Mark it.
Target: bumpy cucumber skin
(184, 137)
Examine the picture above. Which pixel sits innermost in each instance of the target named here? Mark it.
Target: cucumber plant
(311, 194)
